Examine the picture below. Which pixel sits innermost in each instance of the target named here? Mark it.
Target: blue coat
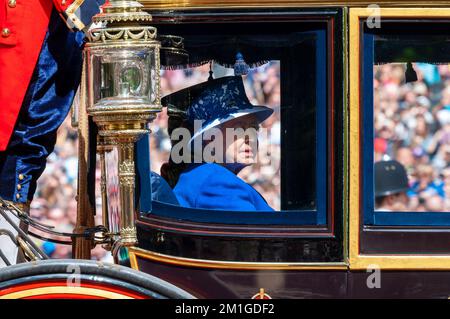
(211, 186)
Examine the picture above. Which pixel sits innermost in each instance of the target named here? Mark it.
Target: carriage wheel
(82, 279)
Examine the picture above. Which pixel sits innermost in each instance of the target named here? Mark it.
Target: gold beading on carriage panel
(136, 253)
(227, 4)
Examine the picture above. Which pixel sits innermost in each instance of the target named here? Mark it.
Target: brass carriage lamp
(122, 66)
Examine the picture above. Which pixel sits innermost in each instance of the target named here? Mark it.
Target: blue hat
(215, 102)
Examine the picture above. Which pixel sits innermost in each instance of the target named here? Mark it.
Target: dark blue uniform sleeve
(161, 191)
(47, 101)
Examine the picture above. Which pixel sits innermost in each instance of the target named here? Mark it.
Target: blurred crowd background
(262, 86)
(412, 125)
(54, 202)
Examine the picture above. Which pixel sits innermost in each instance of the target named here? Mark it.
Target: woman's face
(241, 140)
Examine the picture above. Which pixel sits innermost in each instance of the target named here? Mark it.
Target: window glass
(412, 126)
(407, 100)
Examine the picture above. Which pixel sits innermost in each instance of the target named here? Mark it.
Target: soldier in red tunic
(23, 25)
(40, 68)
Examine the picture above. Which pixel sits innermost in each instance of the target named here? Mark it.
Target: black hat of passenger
(390, 178)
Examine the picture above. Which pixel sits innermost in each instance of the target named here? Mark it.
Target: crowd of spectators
(412, 125)
(55, 204)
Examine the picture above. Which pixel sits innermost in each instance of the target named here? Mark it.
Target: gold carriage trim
(359, 261)
(229, 265)
(196, 4)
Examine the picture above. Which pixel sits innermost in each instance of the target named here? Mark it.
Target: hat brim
(261, 113)
(391, 192)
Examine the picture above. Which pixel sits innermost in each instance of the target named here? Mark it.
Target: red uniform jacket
(23, 25)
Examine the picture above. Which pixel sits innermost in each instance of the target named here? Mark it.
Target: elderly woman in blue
(211, 182)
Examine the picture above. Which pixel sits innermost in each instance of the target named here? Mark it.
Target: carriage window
(262, 86)
(406, 98)
(288, 75)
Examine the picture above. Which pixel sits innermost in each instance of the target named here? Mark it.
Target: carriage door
(399, 111)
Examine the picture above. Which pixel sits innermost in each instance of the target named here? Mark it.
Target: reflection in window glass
(412, 126)
(262, 86)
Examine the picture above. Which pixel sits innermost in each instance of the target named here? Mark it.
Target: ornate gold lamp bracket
(123, 96)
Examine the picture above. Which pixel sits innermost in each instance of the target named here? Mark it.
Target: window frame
(329, 235)
(371, 216)
(394, 246)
